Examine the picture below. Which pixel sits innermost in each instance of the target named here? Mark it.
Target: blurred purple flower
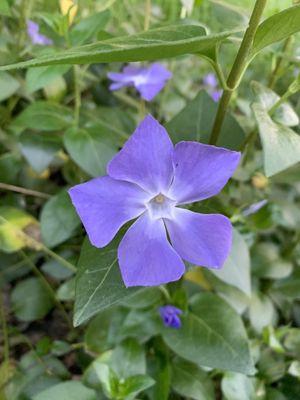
(36, 37)
(254, 208)
(149, 178)
(148, 81)
(170, 316)
(211, 82)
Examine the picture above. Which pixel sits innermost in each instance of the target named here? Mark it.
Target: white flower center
(161, 206)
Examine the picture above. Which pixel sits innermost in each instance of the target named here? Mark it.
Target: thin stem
(280, 59)
(60, 259)
(147, 14)
(77, 95)
(4, 330)
(237, 69)
(47, 286)
(27, 192)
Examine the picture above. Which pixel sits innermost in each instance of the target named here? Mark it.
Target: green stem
(280, 59)
(47, 286)
(237, 69)
(147, 14)
(4, 330)
(77, 96)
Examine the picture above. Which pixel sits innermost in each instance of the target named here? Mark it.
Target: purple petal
(117, 86)
(170, 316)
(105, 204)
(158, 73)
(146, 158)
(201, 239)
(35, 36)
(210, 80)
(254, 208)
(149, 91)
(216, 95)
(146, 258)
(201, 171)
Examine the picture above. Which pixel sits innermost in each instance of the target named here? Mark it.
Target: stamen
(160, 198)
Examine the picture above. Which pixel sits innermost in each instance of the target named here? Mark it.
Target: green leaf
(236, 270)
(196, 120)
(212, 335)
(39, 150)
(90, 149)
(10, 165)
(164, 42)
(134, 385)
(99, 283)
(44, 116)
(89, 27)
(40, 77)
(30, 300)
(238, 387)
(276, 28)
(58, 219)
(281, 145)
(133, 359)
(284, 114)
(8, 85)
(74, 390)
(261, 311)
(191, 382)
(4, 8)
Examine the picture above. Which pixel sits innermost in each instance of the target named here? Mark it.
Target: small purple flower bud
(210, 80)
(36, 37)
(170, 316)
(254, 208)
(216, 95)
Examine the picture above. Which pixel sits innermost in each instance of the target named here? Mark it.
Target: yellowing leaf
(68, 7)
(16, 229)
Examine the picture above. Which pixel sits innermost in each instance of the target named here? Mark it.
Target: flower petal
(146, 158)
(146, 258)
(105, 204)
(202, 239)
(201, 171)
(148, 91)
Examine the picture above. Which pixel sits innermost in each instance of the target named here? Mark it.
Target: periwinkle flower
(36, 37)
(148, 81)
(151, 179)
(211, 82)
(170, 316)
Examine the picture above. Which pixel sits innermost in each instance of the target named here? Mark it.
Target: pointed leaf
(212, 335)
(165, 42)
(99, 282)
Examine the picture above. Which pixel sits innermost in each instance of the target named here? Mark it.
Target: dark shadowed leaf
(281, 145)
(99, 283)
(89, 27)
(212, 335)
(196, 120)
(165, 42)
(30, 300)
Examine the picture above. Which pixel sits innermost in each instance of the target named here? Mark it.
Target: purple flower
(254, 208)
(148, 81)
(150, 179)
(170, 316)
(211, 82)
(36, 37)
